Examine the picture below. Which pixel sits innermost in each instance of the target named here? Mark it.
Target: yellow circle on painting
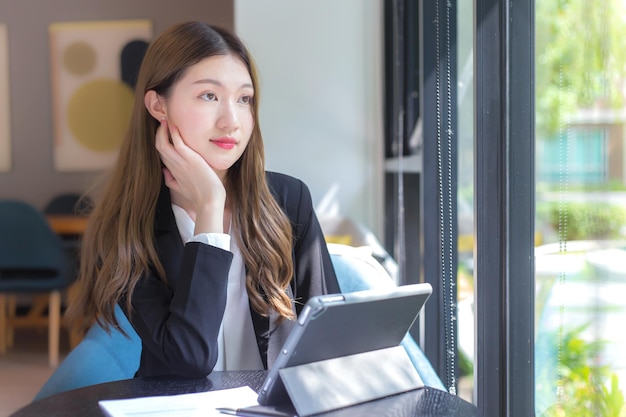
(79, 58)
(98, 114)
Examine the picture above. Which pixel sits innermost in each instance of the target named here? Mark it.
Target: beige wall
(322, 93)
(33, 177)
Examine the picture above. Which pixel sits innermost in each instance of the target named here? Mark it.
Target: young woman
(210, 257)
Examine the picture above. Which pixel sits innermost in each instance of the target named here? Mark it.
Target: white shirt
(237, 345)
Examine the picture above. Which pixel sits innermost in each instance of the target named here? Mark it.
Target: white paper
(183, 405)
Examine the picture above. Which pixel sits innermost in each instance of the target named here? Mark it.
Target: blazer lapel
(167, 238)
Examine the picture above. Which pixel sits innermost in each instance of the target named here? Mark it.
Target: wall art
(94, 66)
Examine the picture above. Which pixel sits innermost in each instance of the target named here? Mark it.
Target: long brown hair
(118, 246)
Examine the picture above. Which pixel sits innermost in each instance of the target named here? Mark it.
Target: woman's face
(211, 106)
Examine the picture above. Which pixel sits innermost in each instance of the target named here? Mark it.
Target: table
(67, 224)
(423, 402)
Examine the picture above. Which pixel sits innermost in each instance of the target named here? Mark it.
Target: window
(581, 212)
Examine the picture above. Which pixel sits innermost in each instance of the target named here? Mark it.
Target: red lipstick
(224, 142)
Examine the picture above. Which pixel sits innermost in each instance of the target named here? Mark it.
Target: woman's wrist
(210, 218)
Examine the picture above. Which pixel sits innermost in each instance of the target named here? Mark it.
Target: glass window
(465, 199)
(580, 272)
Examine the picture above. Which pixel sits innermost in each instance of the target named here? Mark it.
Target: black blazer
(178, 321)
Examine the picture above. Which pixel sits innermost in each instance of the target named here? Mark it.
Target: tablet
(336, 325)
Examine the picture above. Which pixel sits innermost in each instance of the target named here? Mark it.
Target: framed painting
(94, 67)
(5, 130)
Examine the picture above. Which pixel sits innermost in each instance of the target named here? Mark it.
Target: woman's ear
(154, 105)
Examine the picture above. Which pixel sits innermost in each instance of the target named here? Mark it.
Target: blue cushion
(100, 357)
(357, 271)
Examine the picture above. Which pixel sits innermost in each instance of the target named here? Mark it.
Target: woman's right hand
(194, 185)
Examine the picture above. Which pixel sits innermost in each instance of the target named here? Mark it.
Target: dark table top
(423, 402)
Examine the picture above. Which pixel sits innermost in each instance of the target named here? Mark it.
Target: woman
(210, 257)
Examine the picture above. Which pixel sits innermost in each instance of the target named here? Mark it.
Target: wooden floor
(24, 368)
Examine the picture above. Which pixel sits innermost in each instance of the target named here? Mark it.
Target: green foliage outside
(584, 221)
(580, 50)
(611, 185)
(583, 387)
(580, 59)
(466, 366)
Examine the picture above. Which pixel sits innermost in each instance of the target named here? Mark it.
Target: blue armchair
(103, 357)
(99, 357)
(358, 270)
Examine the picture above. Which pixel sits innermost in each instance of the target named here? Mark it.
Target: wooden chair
(33, 262)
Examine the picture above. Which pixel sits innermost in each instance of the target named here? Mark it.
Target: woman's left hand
(193, 183)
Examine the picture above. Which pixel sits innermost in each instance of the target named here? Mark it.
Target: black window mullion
(489, 229)
(504, 212)
(521, 215)
(439, 217)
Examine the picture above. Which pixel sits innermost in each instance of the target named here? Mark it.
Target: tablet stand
(327, 385)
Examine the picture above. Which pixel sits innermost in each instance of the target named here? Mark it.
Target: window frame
(505, 206)
(504, 179)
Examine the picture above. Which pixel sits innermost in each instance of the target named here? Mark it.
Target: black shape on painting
(132, 55)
